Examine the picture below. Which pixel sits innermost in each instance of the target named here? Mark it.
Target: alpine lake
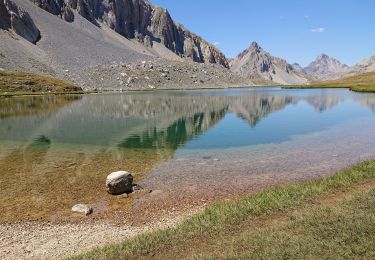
(188, 148)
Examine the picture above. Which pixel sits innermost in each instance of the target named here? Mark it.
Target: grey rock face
(57, 7)
(325, 67)
(297, 67)
(140, 20)
(255, 63)
(17, 19)
(119, 182)
(82, 208)
(4, 17)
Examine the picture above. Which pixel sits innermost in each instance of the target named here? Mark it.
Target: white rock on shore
(82, 208)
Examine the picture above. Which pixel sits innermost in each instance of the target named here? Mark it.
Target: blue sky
(295, 30)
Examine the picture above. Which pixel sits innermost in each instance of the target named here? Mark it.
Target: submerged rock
(119, 182)
(136, 187)
(82, 208)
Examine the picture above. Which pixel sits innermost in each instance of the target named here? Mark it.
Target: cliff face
(140, 20)
(4, 17)
(14, 18)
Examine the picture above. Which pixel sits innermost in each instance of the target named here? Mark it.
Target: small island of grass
(24, 83)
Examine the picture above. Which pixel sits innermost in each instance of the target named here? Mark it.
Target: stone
(119, 182)
(136, 187)
(82, 208)
(130, 80)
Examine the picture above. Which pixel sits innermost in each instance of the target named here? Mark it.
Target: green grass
(21, 83)
(332, 217)
(360, 83)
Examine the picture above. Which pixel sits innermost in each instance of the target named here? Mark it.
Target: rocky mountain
(298, 67)
(326, 68)
(255, 63)
(76, 39)
(366, 65)
(140, 20)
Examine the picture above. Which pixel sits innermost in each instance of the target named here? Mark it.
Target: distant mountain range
(256, 63)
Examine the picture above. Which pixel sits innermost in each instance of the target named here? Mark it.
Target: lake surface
(189, 146)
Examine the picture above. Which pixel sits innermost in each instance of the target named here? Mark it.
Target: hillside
(14, 83)
(362, 83)
(72, 39)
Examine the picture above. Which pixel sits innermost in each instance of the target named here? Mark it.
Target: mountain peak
(322, 56)
(325, 67)
(254, 46)
(257, 64)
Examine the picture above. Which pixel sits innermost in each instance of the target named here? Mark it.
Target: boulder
(82, 208)
(119, 182)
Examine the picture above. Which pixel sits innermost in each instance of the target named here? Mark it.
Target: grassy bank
(21, 83)
(324, 218)
(361, 83)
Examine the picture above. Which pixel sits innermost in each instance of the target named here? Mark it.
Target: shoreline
(45, 240)
(114, 91)
(264, 213)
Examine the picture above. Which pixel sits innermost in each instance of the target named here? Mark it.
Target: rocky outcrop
(326, 68)
(256, 63)
(18, 20)
(4, 17)
(138, 19)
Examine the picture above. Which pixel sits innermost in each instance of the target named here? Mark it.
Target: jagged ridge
(140, 20)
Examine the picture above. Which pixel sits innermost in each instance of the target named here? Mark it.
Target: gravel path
(55, 241)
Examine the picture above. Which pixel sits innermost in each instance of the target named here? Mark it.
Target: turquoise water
(211, 119)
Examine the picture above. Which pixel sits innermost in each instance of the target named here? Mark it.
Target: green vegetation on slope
(361, 83)
(323, 218)
(16, 83)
